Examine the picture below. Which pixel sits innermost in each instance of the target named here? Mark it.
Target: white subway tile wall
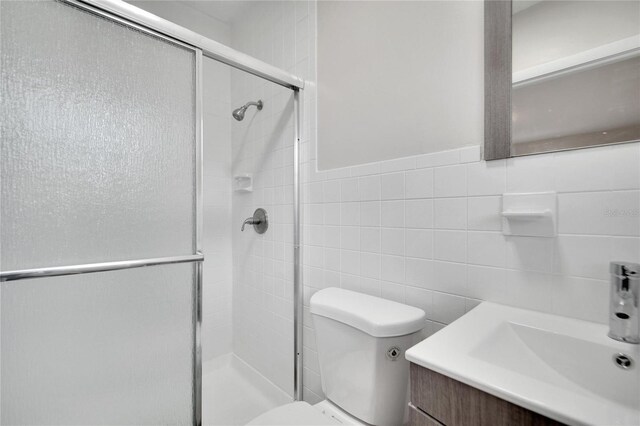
(429, 233)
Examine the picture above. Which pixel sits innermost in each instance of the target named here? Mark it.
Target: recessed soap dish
(243, 183)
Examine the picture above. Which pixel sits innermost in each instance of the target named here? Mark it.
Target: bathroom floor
(233, 393)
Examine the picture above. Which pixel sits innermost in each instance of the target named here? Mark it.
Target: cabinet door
(454, 403)
(419, 418)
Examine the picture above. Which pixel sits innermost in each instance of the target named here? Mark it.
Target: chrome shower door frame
(197, 293)
(226, 55)
(210, 48)
(132, 16)
(298, 296)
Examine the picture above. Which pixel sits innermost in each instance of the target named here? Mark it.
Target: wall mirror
(560, 75)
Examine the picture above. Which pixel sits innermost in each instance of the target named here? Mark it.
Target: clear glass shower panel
(98, 139)
(104, 348)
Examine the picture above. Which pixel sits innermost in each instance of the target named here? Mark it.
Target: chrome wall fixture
(58, 271)
(623, 303)
(259, 220)
(197, 293)
(238, 113)
(298, 296)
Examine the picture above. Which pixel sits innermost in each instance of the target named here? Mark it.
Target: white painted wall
(181, 13)
(398, 78)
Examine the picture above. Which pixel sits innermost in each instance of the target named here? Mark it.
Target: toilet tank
(361, 341)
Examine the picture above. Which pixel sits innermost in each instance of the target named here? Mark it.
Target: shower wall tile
(370, 188)
(392, 186)
(486, 178)
(450, 245)
(483, 213)
(392, 241)
(349, 190)
(419, 243)
(450, 181)
(392, 214)
(419, 214)
(370, 213)
(450, 213)
(419, 183)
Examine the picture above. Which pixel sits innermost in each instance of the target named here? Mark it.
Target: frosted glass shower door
(99, 165)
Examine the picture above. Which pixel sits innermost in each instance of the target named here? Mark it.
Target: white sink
(560, 367)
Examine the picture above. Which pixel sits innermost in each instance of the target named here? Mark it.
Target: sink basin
(562, 368)
(585, 366)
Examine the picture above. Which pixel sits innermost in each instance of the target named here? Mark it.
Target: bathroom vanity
(439, 400)
(499, 365)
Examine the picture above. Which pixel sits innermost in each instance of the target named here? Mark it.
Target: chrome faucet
(249, 221)
(624, 322)
(259, 220)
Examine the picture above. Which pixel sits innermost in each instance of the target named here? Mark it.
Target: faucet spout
(624, 320)
(259, 221)
(248, 221)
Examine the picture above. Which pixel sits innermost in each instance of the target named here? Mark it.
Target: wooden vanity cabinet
(438, 400)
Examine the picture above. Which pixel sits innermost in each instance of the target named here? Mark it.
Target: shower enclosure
(101, 223)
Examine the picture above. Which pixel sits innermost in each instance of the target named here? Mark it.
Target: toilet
(361, 341)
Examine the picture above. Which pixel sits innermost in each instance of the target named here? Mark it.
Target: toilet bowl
(361, 341)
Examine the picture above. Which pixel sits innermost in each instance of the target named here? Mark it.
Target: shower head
(238, 114)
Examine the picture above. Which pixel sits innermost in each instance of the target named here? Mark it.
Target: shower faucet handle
(259, 220)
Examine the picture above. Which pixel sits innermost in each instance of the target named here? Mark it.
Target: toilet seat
(293, 414)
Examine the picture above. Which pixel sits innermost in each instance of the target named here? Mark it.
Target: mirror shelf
(592, 58)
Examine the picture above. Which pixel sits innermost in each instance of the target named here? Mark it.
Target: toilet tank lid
(372, 315)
